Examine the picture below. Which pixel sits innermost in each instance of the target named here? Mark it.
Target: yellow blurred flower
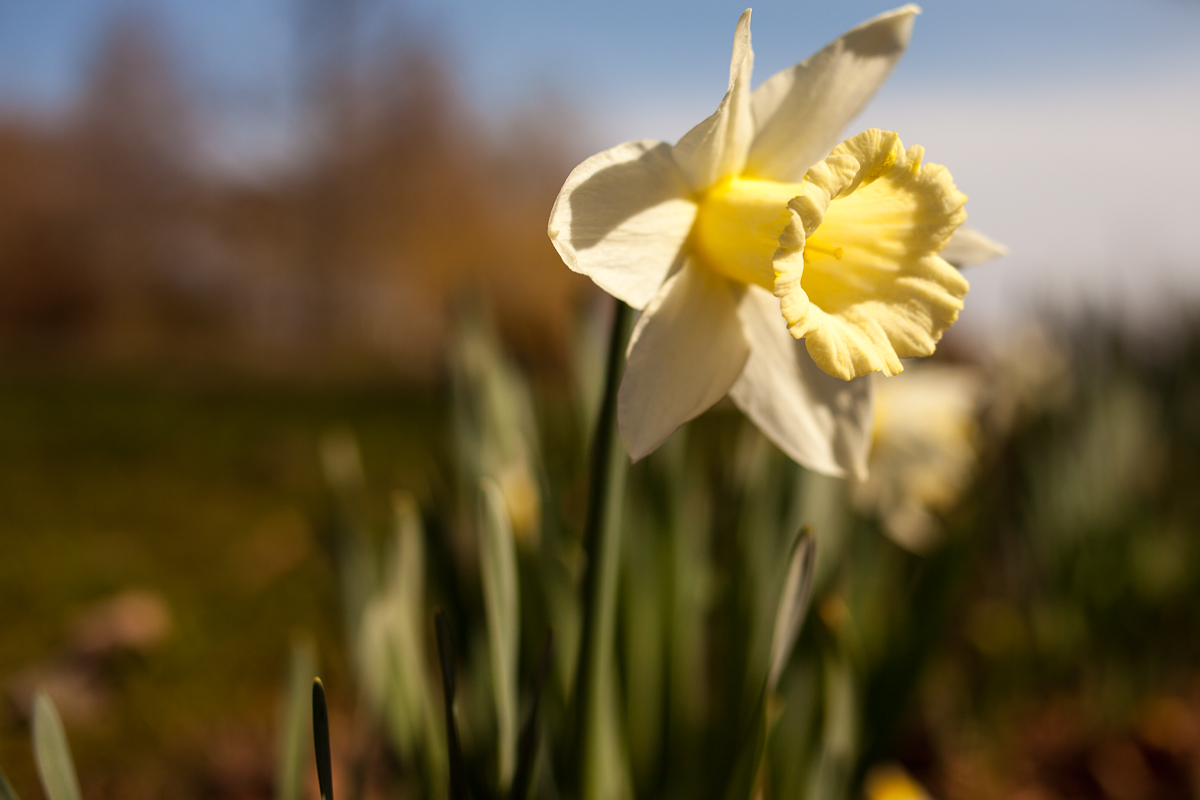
(755, 225)
(892, 782)
(925, 451)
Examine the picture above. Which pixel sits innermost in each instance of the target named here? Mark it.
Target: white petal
(717, 147)
(820, 421)
(968, 247)
(801, 111)
(686, 351)
(622, 218)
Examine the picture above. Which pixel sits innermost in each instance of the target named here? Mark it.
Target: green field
(1044, 644)
(212, 497)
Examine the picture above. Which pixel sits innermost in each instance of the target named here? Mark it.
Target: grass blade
(358, 572)
(320, 715)
(391, 645)
(294, 721)
(840, 735)
(793, 603)
(458, 769)
(645, 637)
(528, 745)
(749, 763)
(51, 751)
(6, 790)
(498, 566)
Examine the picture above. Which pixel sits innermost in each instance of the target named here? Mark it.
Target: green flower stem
(602, 551)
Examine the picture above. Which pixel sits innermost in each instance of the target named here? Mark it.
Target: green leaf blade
(498, 565)
(51, 751)
(321, 748)
(793, 604)
(295, 719)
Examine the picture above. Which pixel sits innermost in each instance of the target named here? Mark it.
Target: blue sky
(1068, 123)
(503, 49)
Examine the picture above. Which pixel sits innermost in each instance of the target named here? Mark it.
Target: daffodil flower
(770, 264)
(925, 452)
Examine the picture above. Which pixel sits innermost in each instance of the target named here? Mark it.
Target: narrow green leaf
(750, 759)
(412, 695)
(789, 619)
(793, 603)
(764, 552)
(458, 769)
(606, 765)
(295, 718)
(840, 734)
(646, 636)
(498, 565)
(6, 790)
(320, 717)
(530, 730)
(689, 594)
(358, 573)
(391, 644)
(51, 751)
(495, 428)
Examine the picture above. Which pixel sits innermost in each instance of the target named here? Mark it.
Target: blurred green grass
(1049, 628)
(106, 485)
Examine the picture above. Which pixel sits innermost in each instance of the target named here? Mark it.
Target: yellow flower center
(738, 225)
(851, 252)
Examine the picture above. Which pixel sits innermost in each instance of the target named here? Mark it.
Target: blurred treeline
(121, 243)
